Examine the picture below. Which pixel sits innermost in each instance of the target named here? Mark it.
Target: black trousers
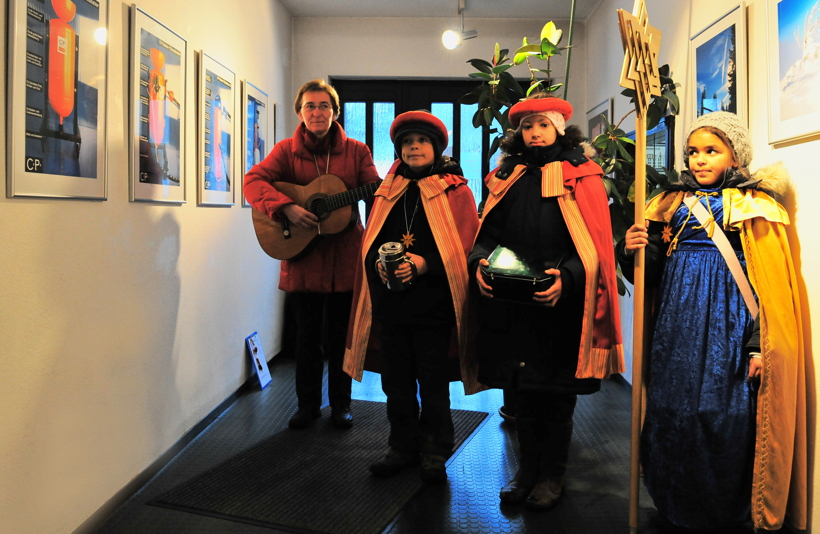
(546, 406)
(414, 361)
(321, 324)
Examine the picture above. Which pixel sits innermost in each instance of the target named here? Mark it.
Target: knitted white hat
(731, 125)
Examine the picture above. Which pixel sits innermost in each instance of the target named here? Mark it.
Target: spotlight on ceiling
(452, 39)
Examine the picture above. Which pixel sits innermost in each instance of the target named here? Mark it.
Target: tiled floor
(596, 498)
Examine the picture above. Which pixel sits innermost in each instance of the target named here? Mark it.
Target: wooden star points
(641, 43)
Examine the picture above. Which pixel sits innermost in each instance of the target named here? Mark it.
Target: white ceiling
(551, 9)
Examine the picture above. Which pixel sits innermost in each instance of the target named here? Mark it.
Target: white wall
(679, 21)
(122, 324)
(394, 47)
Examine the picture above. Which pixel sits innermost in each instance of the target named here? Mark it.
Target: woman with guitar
(319, 278)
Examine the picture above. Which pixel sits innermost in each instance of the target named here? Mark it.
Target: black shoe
(432, 469)
(507, 414)
(517, 489)
(341, 417)
(304, 417)
(393, 462)
(545, 495)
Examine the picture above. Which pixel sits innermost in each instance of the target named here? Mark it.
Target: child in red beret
(547, 204)
(425, 204)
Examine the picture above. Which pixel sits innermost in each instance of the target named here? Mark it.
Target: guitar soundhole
(316, 205)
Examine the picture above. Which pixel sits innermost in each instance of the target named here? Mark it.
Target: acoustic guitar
(326, 197)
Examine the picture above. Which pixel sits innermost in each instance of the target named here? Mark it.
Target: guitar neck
(340, 200)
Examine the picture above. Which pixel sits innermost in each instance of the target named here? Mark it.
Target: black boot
(552, 468)
(517, 489)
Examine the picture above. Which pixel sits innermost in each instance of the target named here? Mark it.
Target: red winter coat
(329, 267)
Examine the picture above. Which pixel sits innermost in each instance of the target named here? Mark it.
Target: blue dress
(697, 445)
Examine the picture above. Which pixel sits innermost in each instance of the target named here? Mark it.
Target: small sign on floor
(260, 364)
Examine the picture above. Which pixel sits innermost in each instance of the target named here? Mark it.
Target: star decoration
(667, 234)
(407, 239)
(641, 44)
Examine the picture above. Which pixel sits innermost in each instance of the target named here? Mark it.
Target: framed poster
(157, 106)
(215, 112)
(597, 118)
(57, 70)
(719, 65)
(255, 142)
(794, 69)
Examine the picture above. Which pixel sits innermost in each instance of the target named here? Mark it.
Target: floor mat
(312, 480)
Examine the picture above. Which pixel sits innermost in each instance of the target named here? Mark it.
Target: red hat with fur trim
(556, 109)
(422, 122)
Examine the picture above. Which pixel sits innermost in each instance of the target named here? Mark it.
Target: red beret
(539, 105)
(419, 121)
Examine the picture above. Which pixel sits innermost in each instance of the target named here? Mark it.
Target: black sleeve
(655, 256)
(370, 264)
(488, 238)
(573, 275)
(753, 345)
(435, 265)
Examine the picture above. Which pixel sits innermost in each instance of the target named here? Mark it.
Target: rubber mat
(312, 480)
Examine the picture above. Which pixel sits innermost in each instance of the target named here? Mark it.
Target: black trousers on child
(321, 323)
(414, 360)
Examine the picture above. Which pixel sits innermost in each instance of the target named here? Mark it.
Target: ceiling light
(452, 39)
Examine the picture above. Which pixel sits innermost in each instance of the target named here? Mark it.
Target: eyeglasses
(311, 107)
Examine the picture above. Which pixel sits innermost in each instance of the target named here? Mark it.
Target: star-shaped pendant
(667, 234)
(407, 239)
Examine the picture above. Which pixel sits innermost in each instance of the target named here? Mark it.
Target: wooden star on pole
(641, 44)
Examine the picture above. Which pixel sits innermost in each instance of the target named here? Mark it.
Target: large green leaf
(477, 117)
(481, 65)
(548, 49)
(501, 68)
(468, 99)
(653, 176)
(551, 33)
(534, 86)
(673, 100)
(483, 98)
(482, 75)
(498, 116)
(526, 50)
(488, 116)
(494, 147)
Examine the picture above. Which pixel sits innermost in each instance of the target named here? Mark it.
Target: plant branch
(624, 117)
(569, 47)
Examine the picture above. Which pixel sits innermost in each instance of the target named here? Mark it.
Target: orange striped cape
(584, 205)
(453, 233)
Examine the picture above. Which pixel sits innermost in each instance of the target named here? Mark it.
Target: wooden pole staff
(569, 47)
(641, 44)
